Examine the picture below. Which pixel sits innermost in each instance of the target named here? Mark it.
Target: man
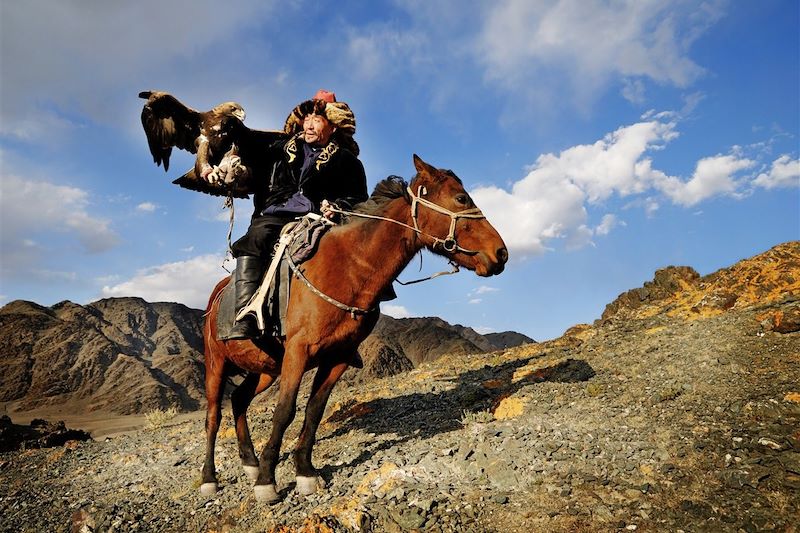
(318, 162)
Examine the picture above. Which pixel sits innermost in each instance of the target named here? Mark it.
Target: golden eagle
(229, 154)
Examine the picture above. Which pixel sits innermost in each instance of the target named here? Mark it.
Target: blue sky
(604, 140)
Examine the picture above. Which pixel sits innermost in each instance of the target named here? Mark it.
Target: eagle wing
(167, 123)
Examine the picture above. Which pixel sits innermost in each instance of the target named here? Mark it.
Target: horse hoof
(209, 489)
(266, 493)
(252, 472)
(309, 484)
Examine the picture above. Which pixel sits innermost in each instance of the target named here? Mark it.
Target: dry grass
(480, 417)
(158, 418)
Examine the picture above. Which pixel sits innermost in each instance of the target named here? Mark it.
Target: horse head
(450, 223)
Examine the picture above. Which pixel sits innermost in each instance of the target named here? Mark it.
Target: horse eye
(461, 199)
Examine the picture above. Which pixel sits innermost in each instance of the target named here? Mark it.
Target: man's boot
(249, 270)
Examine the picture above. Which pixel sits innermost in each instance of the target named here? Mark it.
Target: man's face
(317, 130)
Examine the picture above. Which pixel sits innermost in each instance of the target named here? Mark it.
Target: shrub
(479, 417)
(157, 417)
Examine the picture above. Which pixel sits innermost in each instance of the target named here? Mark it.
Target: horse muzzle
(491, 264)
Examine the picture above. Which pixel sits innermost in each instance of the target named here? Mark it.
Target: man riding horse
(330, 311)
(316, 167)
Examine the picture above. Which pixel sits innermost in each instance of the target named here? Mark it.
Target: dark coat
(336, 175)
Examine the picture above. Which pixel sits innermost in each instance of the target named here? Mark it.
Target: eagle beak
(240, 115)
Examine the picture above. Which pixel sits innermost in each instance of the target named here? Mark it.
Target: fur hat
(338, 113)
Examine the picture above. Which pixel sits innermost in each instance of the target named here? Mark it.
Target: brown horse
(355, 263)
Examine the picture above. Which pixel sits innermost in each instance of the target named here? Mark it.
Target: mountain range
(128, 356)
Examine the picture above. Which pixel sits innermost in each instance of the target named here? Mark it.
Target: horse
(354, 263)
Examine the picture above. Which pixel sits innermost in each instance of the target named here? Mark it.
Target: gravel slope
(660, 424)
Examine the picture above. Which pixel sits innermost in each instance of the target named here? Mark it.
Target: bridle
(449, 243)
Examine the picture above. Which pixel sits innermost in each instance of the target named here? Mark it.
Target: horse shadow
(421, 415)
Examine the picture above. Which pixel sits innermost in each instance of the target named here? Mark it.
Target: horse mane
(385, 191)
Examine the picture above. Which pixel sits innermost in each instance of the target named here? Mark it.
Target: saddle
(298, 241)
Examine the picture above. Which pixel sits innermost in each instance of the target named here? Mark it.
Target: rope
(449, 243)
(229, 204)
(344, 307)
(442, 273)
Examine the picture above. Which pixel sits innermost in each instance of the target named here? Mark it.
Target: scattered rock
(39, 434)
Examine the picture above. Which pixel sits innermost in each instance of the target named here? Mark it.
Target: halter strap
(449, 243)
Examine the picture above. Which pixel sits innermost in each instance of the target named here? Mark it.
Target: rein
(229, 205)
(449, 243)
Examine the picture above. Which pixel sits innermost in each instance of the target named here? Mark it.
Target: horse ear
(423, 167)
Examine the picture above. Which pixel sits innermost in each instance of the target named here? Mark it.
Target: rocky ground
(669, 416)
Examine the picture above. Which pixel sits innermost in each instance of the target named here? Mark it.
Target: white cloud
(375, 50)
(188, 282)
(633, 91)
(36, 207)
(147, 207)
(649, 204)
(88, 53)
(395, 311)
(592, 41)
(474, 301)
(550, 201)
(483, 289)
(543, 53)
(784, 172)
(608, 223)
(712, 176)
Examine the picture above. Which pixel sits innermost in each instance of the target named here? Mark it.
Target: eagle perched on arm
(229, 154)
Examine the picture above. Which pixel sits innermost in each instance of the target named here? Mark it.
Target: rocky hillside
(125, 355)
(678, 410)
(401, 344)
(681, 292)
(120, 354)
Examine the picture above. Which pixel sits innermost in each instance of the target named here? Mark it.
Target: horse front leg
(214, 387)
(308, 481)
(253, 385)
(291, 375)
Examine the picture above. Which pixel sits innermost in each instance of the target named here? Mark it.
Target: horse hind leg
(214, 389)
(308, 480)
(242, 396)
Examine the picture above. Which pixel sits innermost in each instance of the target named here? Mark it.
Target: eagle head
(230, 109)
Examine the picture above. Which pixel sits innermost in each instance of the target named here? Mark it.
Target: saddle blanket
(305, 236)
